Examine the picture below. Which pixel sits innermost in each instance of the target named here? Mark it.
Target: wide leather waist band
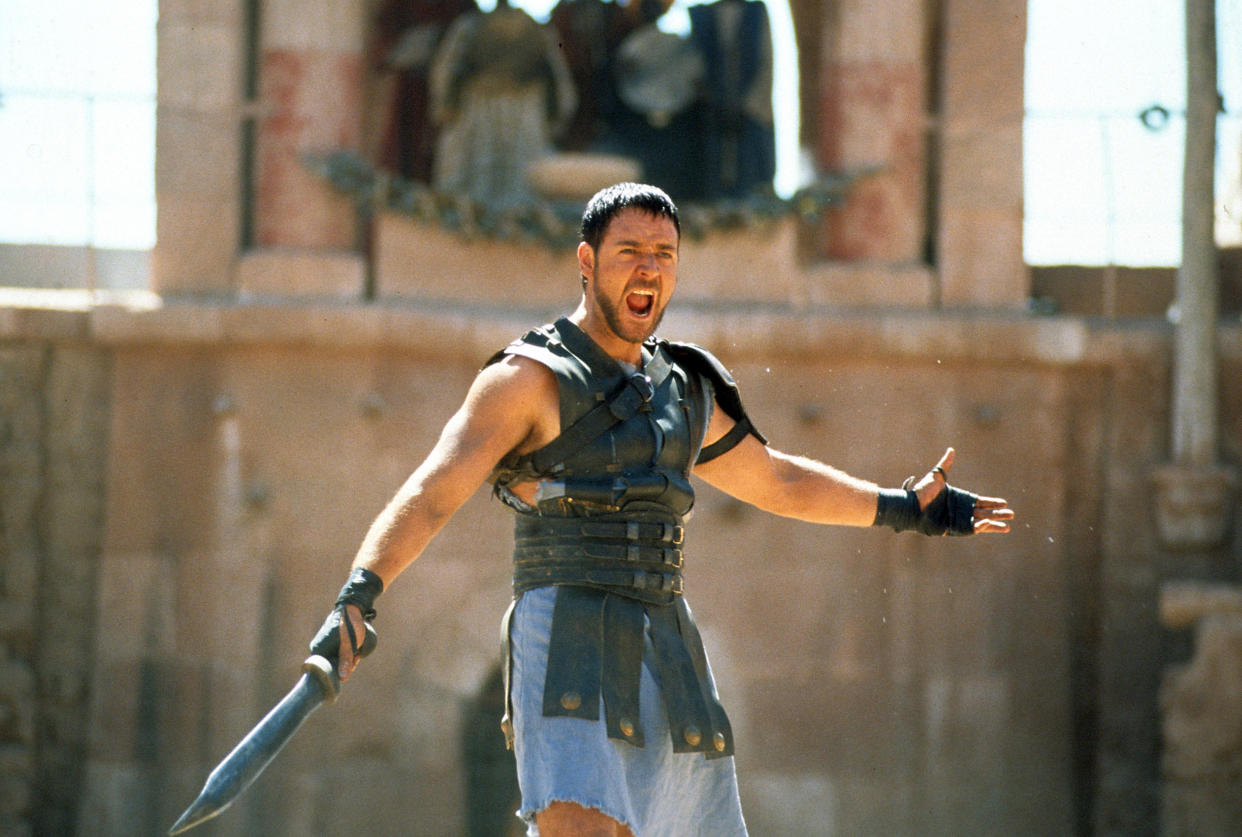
(640, 559)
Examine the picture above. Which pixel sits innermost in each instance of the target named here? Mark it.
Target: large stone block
(324, 25)
(887, 31)
(314, 103)
(981, 168)
(297, 272)
(197, 154)
(863, 285)
(757, 264)
(196, 245)
(222, 12)
(981, 262)
(983, 65)
(415, 260)
(199, 65)
(872, 115)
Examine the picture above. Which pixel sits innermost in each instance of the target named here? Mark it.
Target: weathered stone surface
(298, 272)
(53, 420)
(1202, 725)
(196, 245)
(313, 104)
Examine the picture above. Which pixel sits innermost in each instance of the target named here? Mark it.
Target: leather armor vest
(607, 528)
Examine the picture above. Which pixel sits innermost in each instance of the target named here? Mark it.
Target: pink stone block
(872, 114)
(314, 105)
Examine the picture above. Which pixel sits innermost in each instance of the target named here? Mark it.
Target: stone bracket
(1193, 504)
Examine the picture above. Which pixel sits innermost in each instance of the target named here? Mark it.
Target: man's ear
(586, 260)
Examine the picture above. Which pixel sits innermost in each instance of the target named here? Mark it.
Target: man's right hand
(333, 642)
(362, 632)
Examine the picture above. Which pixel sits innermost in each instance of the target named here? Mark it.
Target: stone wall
(878, 683)
(54, 402)
(186, 476)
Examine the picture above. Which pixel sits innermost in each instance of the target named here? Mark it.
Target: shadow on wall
(492, 796)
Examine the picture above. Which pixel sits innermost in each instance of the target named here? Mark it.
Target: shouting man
(589, 429)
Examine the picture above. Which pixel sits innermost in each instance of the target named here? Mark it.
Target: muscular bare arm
(511, 406)
(806, 489)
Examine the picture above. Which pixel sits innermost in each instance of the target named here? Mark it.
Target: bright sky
(1099, 186)
(62, 152)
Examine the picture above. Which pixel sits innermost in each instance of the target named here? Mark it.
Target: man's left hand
(992, 514)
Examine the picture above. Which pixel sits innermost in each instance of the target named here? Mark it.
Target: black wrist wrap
(361, 590)
(898, 508)
(950, 513)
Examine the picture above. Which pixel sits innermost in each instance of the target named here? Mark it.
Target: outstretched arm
(509, 407)
(806, 489)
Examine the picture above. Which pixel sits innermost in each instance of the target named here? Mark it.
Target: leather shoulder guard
(533, 344)
(700, 361)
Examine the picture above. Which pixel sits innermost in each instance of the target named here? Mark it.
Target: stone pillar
(979, 213)
(1201, 717)
(310, 85)
(1194, 493)
(872, 112)
(304, 236)
(198, 146)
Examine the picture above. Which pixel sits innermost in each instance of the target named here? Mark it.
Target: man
(589, 429)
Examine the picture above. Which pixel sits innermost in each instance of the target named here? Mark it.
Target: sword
(319, 684)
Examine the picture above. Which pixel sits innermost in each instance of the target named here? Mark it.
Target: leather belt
(639, 559)
(665, 532)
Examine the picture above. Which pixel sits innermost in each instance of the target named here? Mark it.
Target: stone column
(311, 98)
(872, 112)
(198, 146)
(1194, 492)
(978, 215)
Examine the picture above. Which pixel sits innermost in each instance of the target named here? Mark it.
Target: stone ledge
(44, 314)
(757, 264)
(735, 331)
(1184, 603)
(301, 273)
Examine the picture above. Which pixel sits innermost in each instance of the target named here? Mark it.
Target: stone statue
(500, 91)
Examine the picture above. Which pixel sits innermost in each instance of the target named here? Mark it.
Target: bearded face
(631, 275)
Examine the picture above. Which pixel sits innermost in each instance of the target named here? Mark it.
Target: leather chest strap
(625, 402)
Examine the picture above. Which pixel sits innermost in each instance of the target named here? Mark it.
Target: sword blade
(317, 685)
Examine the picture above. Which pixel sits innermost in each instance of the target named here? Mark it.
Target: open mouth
(640, 303)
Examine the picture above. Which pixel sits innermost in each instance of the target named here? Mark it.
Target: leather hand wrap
(360, 590)
(950, 513)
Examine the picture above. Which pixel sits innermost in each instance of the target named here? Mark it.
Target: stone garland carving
(555, 222)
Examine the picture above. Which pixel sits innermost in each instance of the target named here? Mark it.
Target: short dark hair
(607, 202)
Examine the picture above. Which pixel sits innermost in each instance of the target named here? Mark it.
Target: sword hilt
(324, 672)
